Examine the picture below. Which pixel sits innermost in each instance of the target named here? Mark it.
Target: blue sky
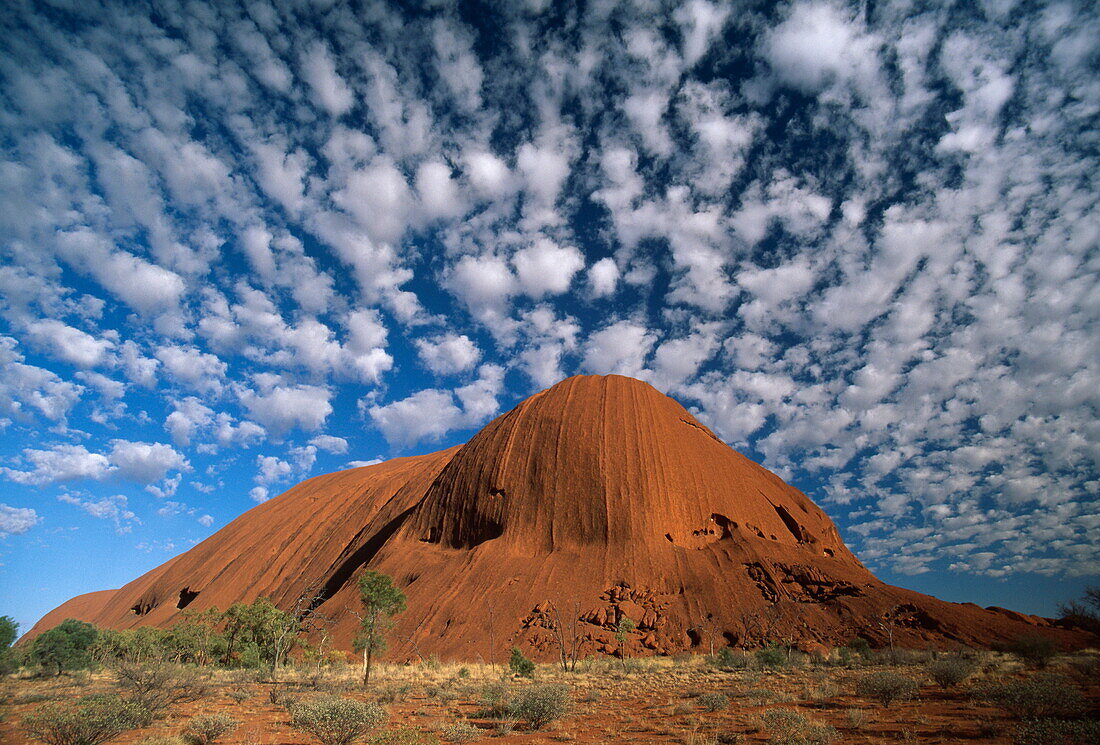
(241, 244)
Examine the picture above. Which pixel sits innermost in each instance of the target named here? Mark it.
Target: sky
(246, 243)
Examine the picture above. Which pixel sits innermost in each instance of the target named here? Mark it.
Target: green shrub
(461, 732)
(494, 698)
(728, 659)
(1042, 695)
(950, 671)
(393, 693)
(886, 687)
(66, 646)
(1058, 732)
(463, 672)
(89, 721)
(1035, 650)
(860, 646)
(771, 656)
(713, 701)
(788, 727)
(541, 703)
(158, 687)
(240, 695)
(336, 721)
(520, 665)
(205, 729)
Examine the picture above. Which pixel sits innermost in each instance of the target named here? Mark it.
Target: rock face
(595, 499)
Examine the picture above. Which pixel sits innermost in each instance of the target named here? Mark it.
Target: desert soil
(658, 702)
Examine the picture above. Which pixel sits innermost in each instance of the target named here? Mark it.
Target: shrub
(886, 687)
(463, 672)
(392, 693)
(1035, 650)
(495, 698)
(66, 646)
(860, 646)
(1058, 732)
(540, 704)
(950, 671)
(520, 665)
(205, 729)
(90, 721)
(336, 721)
(728, 659)
(787, 727)
(771, 656)
(161, 740)
(158, 687)
(404, 737)
(713, 701)
(240, 695)
(1043, 695)
(460, 732)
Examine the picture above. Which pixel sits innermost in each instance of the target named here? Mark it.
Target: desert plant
(494, 698)
(788, 727)
(950, 671)
(859, 646)
(541, 703)
(381, 602)
(1058, 732)
(336, 721)
(89, 721)
(728, 659)
(240, 695)
(713, 701)
(771, 656)
(1042, 695)
(520, 665)
(460, 732)
(66, 646)
(161, 740)
(157, 687)
(1083, 613)
(392, 693)
(205, 729)
(1033, 649)
(886, 687)
(406, 736)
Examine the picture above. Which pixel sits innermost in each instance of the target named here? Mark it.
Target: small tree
(520, 665)
(622, 633)
(541, 704)
(381, 602)
(9, 632)
(66, 646)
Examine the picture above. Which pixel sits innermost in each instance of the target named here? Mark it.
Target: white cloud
(114, 508)
(620, 348)
(280, 408)
(448, 354)
(68, 344)
(26, 388)
(61, 463)
(192, 367)
(431, 413)
(258, 494)
(545, 268)
(145, 287)
(603, 277)
(818, 44)
(439, 193)
(329, 90)
(17, 520)
(379, 199)
(146, 462)
(330, 444)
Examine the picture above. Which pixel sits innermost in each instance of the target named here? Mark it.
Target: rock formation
(595, 499)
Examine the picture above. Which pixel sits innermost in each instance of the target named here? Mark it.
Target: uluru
(596, 499)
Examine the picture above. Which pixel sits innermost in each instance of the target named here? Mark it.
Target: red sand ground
(600, 497)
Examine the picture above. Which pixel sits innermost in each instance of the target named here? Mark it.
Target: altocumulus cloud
(860, 242)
